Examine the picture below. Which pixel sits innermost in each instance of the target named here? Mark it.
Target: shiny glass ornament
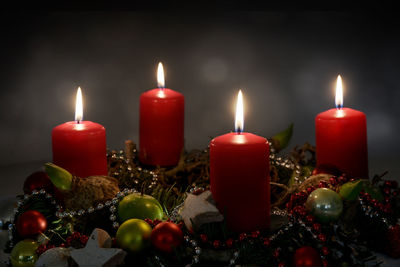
(134, 235)
(24, 253)
(325, 204)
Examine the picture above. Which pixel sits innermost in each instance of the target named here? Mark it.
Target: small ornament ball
(134, 235)
(307, 257)
(30, 223)
(24, 253)
(325, 204)
(166, 236)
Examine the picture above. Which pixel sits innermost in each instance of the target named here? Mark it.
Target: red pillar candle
(341, 138)
(161, 125)
(239, 177)
(80, 146)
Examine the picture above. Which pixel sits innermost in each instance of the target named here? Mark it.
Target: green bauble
(139, 206)
(24, 253)
(325, 204)
(134, 235)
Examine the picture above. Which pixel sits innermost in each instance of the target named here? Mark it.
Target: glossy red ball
(31, 223)
(36, 181)
(307, 257)
(166, 236)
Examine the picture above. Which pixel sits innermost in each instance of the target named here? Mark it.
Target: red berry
(317, 227)
(203, 238)
(255, 234)
(333, 181)
(69, 240)
(325, 251)
(267, 242)
(310, 218)
(387, 190)
(76, 235)
(84, 239)
(276, 253)
(322, 237)
(242, 236)
(216, 243)
(229, 242)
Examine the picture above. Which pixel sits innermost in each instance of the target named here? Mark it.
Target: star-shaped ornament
(200, 209)
(98, 252)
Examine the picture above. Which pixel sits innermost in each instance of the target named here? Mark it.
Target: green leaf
(350, 190)
(282, 139)
(60, 177)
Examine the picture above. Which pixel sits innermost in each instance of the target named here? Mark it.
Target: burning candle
(80, 146)
(341, 138)
(239, 177)
(161, 124)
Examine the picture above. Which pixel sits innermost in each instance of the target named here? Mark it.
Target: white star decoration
(98, 252)
(199, 210)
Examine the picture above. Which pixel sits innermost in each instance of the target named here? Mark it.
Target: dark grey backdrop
(286, 62)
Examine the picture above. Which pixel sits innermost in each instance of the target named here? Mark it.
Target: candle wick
(339, 106)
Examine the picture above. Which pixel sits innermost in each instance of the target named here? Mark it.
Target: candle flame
(339, 93)
(78, 106)
(239, 120)
(160, 76)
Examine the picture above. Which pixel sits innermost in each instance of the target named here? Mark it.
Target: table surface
(12, 178)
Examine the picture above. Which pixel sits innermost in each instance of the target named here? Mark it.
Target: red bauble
(166, 236)
(36, 181)
(307, 257)
(31, 223)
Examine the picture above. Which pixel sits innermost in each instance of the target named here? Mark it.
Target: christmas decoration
(368, 222)
(31, 223)
(36, 181)
(139, 206)
(199, 209)
(134, 235)
(24, 253)
(82, 193)
(307, 257)
(55, 257)
(98, 251)
(324, 204)
(166, 236)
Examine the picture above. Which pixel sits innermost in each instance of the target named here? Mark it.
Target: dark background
(285, 59)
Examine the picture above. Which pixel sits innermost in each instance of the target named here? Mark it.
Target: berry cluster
(230, 242)
(75, 240)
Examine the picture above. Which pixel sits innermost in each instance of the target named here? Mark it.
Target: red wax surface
(161, 127)
(80, 148)
(341, 140)
(239, 177)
